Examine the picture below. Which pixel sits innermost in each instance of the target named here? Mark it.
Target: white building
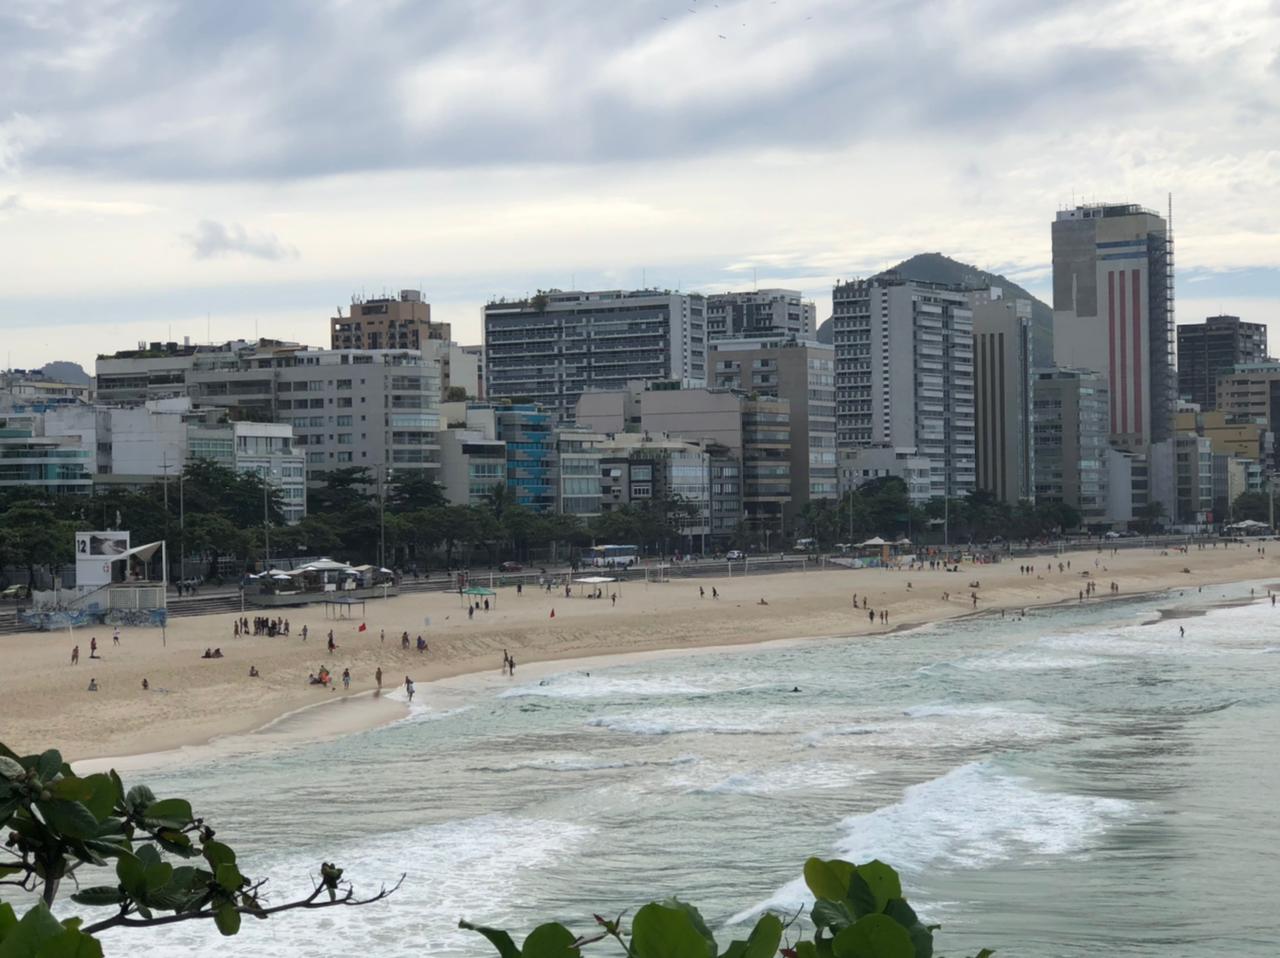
(905, 374)
(860, 466)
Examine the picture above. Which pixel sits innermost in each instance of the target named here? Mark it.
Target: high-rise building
(1210, 349)
(1003, 342)
(152, 371)
(1113, 312)
(905, 373)
(864, 464)
(1071, 420)
(53, 465)
(803, 373)
(554, 346)
(386, 323)
(760, 313)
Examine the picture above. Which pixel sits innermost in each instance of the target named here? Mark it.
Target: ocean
(1079, 781)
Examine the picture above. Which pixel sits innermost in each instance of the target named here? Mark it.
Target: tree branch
(311, 901)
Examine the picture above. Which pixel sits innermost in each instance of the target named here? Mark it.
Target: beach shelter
(595, 580)
(479, 590)
(873, 542)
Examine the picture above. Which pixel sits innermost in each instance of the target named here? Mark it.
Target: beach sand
(44, 702)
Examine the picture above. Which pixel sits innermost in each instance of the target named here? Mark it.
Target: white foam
(1023, 660)
(585, 763)
(975, 816)
(689, 721)
(581, 686)
(468, 868)
(806, 776)
(943, 725)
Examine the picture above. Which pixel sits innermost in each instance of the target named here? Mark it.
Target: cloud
(212, 240)
(18, 135)
(11, 203)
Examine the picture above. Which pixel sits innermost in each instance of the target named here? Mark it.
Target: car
(510, 567)
(735, 555)
(1112, 535)
(16, 592)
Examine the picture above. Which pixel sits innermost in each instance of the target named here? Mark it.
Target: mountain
(937, 268)
(65, 372)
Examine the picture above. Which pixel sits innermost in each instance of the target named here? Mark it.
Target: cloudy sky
(212, 170)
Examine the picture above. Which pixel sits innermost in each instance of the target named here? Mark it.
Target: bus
(611, 557)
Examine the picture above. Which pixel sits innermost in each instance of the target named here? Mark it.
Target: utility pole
(182, 531)
(266, 524)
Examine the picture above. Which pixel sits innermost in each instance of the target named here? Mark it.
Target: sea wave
(676, 722)
(583, 685)
(584, 764)
(974, 816)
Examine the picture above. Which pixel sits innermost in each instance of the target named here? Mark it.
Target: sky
(219, 171)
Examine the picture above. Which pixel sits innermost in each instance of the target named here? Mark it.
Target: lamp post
(266, 523)
(182, 532)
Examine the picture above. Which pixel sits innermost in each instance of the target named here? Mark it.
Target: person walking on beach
(332, 644)
(346, 679)
(702, 593)
(93, 647)
(304, 633)
(408, 687)
(505, 659)
(382, 636)
(715, 593)
(377, 677)
(115, 637)
(75, 654)
(511, 667)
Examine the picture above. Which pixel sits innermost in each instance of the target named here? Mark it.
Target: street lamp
(266, 471)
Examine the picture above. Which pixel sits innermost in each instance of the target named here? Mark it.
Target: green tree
(119, 846)
(340, 490)
(456, 394)
(1149, 516)
(38, 538)
(1251, 505)
(413, 489)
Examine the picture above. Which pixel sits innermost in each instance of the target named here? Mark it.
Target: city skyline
(167, 173)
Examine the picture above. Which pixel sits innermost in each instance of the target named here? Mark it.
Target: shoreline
(213, 708)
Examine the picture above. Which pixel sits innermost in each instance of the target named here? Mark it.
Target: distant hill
(65, 372)
(937, 268)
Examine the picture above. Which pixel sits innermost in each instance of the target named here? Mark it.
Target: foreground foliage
(60, 826)
(858, 912)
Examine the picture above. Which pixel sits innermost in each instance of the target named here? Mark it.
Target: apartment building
(387, 323)
(905, 374)
(1003, 342)
(1070, 434)
(1207, 351)
(375, 409)
(551, 348)
(803, 373)
(763, 313)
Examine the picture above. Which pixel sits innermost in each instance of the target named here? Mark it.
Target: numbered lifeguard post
(123, 583)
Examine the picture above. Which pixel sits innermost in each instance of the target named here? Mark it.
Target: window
(344, 420)
(344, 457)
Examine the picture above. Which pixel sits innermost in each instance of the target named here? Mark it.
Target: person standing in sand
(115, 636)
(377, 677)
(408, 687)
(75, 653)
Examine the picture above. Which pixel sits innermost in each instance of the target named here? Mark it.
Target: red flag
(362, 627)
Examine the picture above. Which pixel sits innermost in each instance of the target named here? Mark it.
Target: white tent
(327, 565)
(876, 541)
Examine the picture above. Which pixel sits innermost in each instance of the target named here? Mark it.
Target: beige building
(803, 373)
(386, 323)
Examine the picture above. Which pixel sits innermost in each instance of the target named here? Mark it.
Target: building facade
(1071, 428)
(53, 465)
(861, 465)
(905, 374)
(555, 346)
(764, 313)
(1003, 343)
(372, 409)
(1113, 312)
(803, 373)
(1209, 350)
(387, 323)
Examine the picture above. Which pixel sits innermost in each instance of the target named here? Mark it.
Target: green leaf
(551, 940)
(828, 879)
(139, 797)
(860, 898)
(72, 943)
(99, 895)
(806, 949)
(215, 853)
(158, 875)
(764, 938)
(70, 818)
(984, 953)
(7, 870)
(132, 874)
(49, 764)
(497, 937)
(11, 769)
(173, 811)
(883, 882)
(7, 809)
(921, 935)
(695, 916)
(148, 855)
(661, 932)
(874, 936)
(25, 937)
(835, 915)
(104, 793)
(7, 918)
(227, 919)
(228, 876)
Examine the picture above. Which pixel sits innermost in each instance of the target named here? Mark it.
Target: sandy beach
(44, 702)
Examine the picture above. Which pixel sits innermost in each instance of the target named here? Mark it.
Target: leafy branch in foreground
(62, 826)
(858, 912)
